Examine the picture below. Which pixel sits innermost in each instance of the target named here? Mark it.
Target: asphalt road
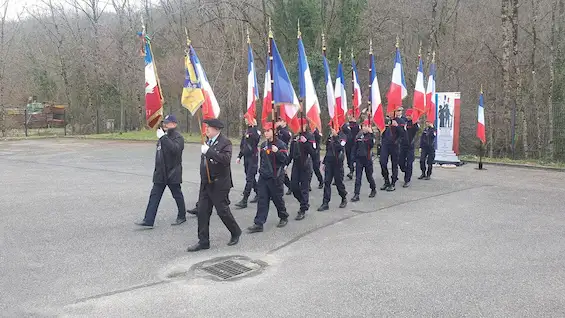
(466, 243)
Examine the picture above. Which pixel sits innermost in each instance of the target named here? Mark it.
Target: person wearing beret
(406, 157)
(215, 185)
(167, 172)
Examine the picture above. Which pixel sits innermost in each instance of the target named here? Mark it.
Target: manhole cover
(227, 269)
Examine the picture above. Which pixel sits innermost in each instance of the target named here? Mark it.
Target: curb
(517, 165)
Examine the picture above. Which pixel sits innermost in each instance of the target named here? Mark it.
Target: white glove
(238, 160)
(204, 149)
(303, 139)
(160, 133)
(274, 148)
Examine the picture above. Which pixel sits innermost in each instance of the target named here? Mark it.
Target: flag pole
(481, 145)
(333, 119)
(353, 87)
(271, 68)
(300, 100)
(189, 52)
(370, 107)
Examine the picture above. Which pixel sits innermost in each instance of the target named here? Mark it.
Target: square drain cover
(227, 269)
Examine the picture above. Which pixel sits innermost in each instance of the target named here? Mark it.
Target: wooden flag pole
(370, 106)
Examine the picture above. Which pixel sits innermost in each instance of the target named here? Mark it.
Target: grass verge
(507, 161)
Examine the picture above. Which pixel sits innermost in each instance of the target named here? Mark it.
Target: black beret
(213, 122)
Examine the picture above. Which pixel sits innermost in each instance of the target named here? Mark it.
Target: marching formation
(293, 135)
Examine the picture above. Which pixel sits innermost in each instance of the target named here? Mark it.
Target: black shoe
(385, 186)
(146, 225)
(350, 176)
(193, 211)
(255, 199)
(421, 177)
(373, 193)
(427, 178)
(324, 207)
(406, 184)
(242, 204)
(234, 240)
(197, 247)
(309, 189)
(391, 188)
(255, 228)
(333, 183)
(321, 185)
(343, 203)
(289, 192)
(179, 221)
(282, 223)
(355, 198)
(301, 215)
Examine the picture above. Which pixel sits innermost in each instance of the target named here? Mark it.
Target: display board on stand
(447, 123)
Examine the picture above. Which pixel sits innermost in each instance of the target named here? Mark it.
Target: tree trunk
(506, 66)
(534, 83)
(552, 59)
(517, 76)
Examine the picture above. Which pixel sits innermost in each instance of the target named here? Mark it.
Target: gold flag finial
(339, 56)
(270, 29)
(142, 25)
(187, 39)
(247, 34)
(298, 26)
(371, 46)
(323, 42)
(481, 88)
(420, 50)
(433, 56)
(352, 53)
(397, 42)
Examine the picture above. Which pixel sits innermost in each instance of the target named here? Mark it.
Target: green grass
(530, 162)
(145, 135)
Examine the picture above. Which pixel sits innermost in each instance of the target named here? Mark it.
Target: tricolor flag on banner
(481, 131)
(283, 92)
(252, 88)
(210, 107)
(397, 91)
(419, 102)
(267, 95)
(431, 93)
(356, 103)
(378, 115)
(192, 96)
(340, 96)
(153, 96)
(307, 90)
(329, 89)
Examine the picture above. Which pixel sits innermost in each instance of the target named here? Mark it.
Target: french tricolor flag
(210, 108)
(252, 88)
(340, 96)
(356, 90)
(481, 131)
(329, 90)
(267, 95)
(430, 94)
(307, 90)
(283, 92)
(375, 96)
(397, 91)
(419, 102)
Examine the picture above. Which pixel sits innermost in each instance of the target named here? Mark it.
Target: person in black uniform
(302, 148)
(273, 155)
(428, 146)
(333, 165)
(248, 150)
(284, 134)
(350, 129)
(363, 153)
(316, 159)
(167, 173)
(390, 140)
(215, 185)
(406, 157)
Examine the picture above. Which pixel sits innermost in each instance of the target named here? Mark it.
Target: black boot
(243, 203)
(343, 203)
(350, 175)
(355, 198)
(289, 192)
(255, 199)
(422, 176)
(373, 193)
(255, 228)
(324, 207)
(321, 185)
(391, 187)
(193, 211)
(386, 185)
(282, 223)
(301, 215)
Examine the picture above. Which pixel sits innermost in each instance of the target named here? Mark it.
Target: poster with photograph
(447, 124)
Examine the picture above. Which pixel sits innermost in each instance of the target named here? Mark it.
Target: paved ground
(488, 243)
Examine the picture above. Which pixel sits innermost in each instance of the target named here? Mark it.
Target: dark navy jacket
(284, 134)
(249, 143)
(301, 152)
(334, 149)
(363, 146)
(272, 164)
(411, 131)
(428, 139)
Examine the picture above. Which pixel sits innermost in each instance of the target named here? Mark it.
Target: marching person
(390, 139)
(350, 129)
(273, 155)
(316, 158)
(215, 185)
(363, 153)
(302, 148)
(406, 157)
(333, 166)
(248, 150)
(167, 172)
(428, 153)
(284, 134)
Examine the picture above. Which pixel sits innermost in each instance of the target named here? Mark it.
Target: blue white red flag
(430, 94)
(397, 91)
(340, 96)
(252, 88)
(375, 96)
(356, 103)
(481, 127)
(153, 96)
(307, 90)
(419, 102)
(283, 92)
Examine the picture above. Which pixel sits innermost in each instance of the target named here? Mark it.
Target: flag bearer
(316, 158)
(428, 146)
(351, 129)
(284, 134)
(363, 153)
(248, 150)
(333, 168)
(270, 186)
(406, 157)
(390, 139)
(302, 148)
